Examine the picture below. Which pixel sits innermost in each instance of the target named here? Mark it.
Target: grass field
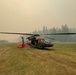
(58, 60)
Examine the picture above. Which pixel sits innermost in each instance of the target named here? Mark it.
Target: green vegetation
(58, 60)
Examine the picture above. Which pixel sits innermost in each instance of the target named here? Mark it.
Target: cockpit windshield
(45, 41)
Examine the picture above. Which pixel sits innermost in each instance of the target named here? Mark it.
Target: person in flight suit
(22, 41)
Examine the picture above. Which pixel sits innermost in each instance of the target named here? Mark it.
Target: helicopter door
(33, 42)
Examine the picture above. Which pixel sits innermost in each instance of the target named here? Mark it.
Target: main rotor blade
(50, 38)
(59, 34)
(15, 33)
(37, 34)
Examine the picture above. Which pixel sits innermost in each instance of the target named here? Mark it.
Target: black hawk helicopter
(36, 40)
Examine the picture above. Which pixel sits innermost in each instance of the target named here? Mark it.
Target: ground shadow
(48, 49)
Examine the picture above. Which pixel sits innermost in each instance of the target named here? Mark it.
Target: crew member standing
(22, 41)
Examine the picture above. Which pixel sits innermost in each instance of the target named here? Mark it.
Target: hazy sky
(28, 15)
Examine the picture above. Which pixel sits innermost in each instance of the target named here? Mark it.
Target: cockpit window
(44, 41)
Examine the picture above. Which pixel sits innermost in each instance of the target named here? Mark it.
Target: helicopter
(36, 40)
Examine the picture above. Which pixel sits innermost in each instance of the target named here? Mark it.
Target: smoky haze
(28, 15)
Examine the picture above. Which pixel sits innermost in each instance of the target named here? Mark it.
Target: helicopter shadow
(48, 49)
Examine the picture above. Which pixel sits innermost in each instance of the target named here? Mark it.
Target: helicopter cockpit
(44, 41)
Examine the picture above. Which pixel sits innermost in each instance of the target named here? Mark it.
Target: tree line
(61, 38)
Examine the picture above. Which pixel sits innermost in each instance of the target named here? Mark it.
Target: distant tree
(44, 29)
(65, 28)
(54, 30)
(35, 31)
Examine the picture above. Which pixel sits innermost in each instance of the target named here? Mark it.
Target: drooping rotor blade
(15, 33)
(59, 34)
(50, 38)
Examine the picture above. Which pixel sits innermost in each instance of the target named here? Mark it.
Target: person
(22, 41)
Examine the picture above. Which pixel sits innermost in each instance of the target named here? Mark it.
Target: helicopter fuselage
(39, 42)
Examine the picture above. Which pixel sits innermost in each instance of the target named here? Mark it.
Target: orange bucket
(20, 45)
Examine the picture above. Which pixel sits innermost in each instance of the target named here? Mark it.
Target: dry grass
(58, 60)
